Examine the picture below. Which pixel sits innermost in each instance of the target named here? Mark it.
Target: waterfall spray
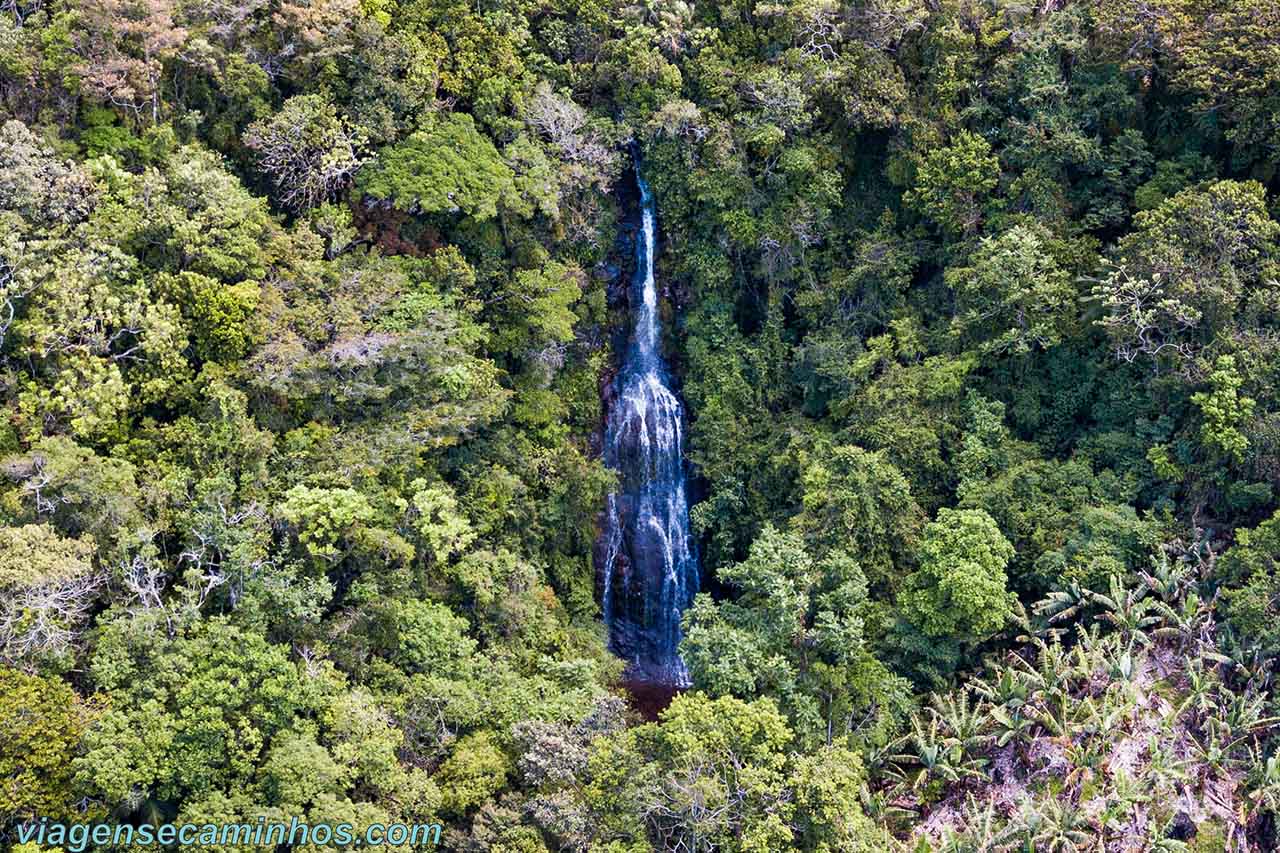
(650, 566)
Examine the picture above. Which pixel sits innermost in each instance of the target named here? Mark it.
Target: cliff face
(646, 556)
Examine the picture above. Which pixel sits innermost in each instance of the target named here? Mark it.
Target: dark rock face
(645, 557)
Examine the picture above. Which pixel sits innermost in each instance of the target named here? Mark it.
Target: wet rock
(645, 558)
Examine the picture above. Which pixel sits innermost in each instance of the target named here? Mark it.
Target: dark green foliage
(305, 313)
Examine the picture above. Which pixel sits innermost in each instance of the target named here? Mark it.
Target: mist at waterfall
(650, 567)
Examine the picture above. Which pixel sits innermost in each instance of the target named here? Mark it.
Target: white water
(650, 568)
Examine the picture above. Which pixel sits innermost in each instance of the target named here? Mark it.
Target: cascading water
(650, 569)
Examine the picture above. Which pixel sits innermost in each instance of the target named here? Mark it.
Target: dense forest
(309, 310)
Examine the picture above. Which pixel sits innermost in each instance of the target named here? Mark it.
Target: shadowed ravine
(649, 568)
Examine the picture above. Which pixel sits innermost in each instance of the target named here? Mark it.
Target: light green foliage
(474, 772)
(34, 554)
(298, 772)
(364, 740)
(1224, 410)
(48, 584)
(306, 311)
(102, 335)
(395, 72)
(81, 493)
(1104, 542)
(377, 343)
(1064, 520)
(328, 520)
(224, 321)
(432, 640)
(960, 589)
(535, 179)
(954, 183)
(1180, 289)
(447, 168)
(1013, 297)
(446, 531)
(829, 813)
(1251, 580)
(205, 220)
(1225, 59)
(510, 600)
(102, 343)
(215, 701)
(732, 647)
(41, 723)
(986, 448)
(907, 406)
(719, 765)
(537, 307)
(718, 770)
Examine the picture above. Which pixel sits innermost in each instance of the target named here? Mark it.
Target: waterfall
(649, 568)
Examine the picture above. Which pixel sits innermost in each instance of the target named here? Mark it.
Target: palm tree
(980, 832)
(1201, 687)
(938, 757)
(963, 719)
(1263, 781)
(1128, 610)
(1011, 688)
(1064, 605)
(1058, 826)
(1011, 726)
(1164, 767)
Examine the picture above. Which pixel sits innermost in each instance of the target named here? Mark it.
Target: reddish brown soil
(648, 699)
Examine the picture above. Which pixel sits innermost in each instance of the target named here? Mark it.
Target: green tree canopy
(448, 167)
(960, 588)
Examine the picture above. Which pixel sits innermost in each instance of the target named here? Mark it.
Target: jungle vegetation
(306, 309)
